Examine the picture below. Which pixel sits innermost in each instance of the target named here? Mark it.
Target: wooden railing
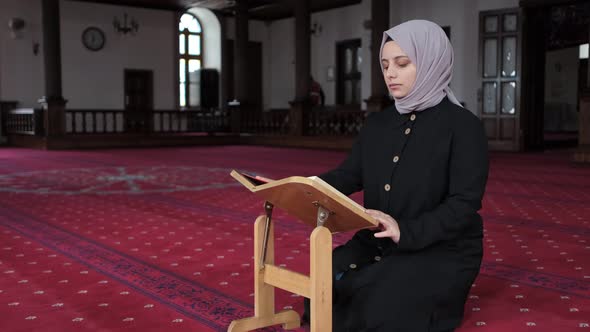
(274, 122)
(317, 122)
(24, 121)
(94, 121)
(120, 121)
(191, 121)
(334, 122)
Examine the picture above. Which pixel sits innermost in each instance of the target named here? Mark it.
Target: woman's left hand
(388, 225)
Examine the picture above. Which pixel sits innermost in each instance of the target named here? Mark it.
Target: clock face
(93, 38)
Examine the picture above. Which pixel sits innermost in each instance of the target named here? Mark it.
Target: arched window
(190, 59)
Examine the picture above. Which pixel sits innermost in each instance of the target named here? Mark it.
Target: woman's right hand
(387, 224)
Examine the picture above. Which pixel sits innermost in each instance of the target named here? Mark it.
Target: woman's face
(398, 71)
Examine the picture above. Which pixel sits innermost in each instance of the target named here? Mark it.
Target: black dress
(428, 170)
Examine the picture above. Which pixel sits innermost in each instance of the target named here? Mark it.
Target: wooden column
(223, 75)
(5, 106)
(533, 71)
(582, 153)
(302, 49)
(53, 102)
(301, 105)
(239, 101)
(241, 53)
(379, 98)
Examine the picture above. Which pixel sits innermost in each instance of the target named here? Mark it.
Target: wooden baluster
(74, 127)
(94, 124)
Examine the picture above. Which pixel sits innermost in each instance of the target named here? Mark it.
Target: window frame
(186, 56)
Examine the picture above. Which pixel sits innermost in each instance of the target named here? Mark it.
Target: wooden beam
(546, 3)
(290, 281)
(172, 5)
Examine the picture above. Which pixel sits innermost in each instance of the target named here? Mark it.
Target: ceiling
(267, 10)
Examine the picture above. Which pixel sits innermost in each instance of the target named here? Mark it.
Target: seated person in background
(423, 166)
(316, 94)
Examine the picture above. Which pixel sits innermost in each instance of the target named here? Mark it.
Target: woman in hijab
(423, 166)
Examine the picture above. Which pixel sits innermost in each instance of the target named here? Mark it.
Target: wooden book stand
(320, 205)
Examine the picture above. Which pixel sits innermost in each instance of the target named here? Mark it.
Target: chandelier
(129, 25)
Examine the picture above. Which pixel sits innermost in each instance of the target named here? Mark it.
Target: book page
(255, 179)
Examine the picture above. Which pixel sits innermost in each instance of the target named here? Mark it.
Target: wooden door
(139, 90)
(348, 69)
(499, 72)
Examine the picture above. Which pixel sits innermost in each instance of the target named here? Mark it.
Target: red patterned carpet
(161, 240)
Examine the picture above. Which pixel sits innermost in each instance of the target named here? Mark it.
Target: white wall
(337, 25)
(95, 79)
(22, 76)
(463, 18)
(278, 51)
(347, 23)
(211, 37)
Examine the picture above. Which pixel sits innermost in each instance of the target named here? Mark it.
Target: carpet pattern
(161, 239)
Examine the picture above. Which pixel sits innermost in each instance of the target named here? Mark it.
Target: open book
(301, 196)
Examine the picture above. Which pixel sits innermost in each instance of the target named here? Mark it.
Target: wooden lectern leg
(321, 280)
(289, 319)
(264, 296)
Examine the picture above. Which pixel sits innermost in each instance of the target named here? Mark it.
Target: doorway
(500, 77)
(139, 99)
(552, 35)
(348, 69)
(563, 74)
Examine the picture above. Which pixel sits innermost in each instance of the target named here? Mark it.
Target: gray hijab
(428, 47)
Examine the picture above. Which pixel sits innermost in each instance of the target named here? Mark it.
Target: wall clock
(93, 38)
